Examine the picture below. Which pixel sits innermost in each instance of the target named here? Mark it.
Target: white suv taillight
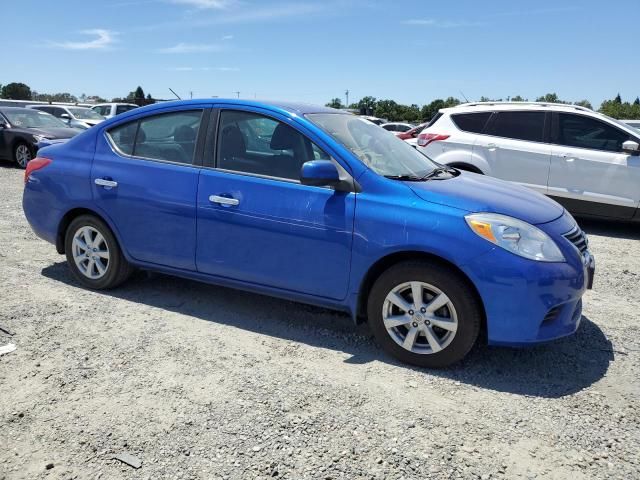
(425, 139)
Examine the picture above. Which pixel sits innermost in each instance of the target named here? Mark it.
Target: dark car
(21, 129)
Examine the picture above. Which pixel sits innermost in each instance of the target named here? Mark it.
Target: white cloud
(206, 4)
(102, 41)
(191, 48)
(227, 37)
(430, 22)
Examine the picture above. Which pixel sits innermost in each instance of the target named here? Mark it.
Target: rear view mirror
(319, 173)
(631, 147)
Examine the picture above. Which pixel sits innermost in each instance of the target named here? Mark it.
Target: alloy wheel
(90, 252)
(23, 155)
(420, 317)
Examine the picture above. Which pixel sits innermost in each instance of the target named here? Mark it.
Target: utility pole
(346, 93)
(237, 93)
(191, 95)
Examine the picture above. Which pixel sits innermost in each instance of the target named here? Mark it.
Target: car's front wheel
(93, 254)
(22, 154)
(424, 314)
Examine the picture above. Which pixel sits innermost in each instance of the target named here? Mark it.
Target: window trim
(555, 133)
(196, 161)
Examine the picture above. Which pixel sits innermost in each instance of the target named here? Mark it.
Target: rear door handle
(568, 158)
(492, 147)
(103, 182)
(224, 200)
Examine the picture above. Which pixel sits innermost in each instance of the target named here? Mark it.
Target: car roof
(291, 107)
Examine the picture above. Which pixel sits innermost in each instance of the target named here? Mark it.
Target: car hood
(479, 193)
(55, 132)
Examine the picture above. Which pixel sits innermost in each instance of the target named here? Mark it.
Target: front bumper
(528, 302)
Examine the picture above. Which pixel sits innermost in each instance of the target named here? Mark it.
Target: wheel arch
(386, 262)
(72, 214)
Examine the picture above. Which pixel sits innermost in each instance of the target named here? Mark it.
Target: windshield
(377, 148)
(33, 119)
(85, 114)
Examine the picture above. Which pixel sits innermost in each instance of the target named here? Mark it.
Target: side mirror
(319, 173)
(631, 147)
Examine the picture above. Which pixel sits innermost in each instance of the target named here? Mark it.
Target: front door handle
(568, 158)
(224, 200)
(492, 147)
(103, 182)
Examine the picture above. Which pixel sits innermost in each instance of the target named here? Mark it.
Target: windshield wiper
(406, 178)
(439, 170)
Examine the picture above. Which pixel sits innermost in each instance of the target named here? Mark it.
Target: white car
(397, 126)
(109, 110)
(586, 161)
(77, 117)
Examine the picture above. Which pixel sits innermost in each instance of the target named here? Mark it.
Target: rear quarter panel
(61, 186)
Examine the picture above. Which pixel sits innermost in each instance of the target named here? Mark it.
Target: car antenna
(464, 96)
(175, 93)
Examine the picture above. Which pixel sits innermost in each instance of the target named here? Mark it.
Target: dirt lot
(205, 382)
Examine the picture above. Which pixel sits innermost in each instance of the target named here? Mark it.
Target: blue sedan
(318, 206)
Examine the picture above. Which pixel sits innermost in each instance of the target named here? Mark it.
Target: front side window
(586, 132)
(252, 143)
(528, 126)
(169, 137)
(375, 147)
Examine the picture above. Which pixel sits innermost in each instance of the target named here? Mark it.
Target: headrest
(183, 133)
(284, 137)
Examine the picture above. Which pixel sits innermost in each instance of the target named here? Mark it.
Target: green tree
(618, 99)
(335, 103)
(550, 98)
(518, 98)
(636, 101)
(149, 100)
(429, 111)
(584, 103)
(138, 95)
(16, 91)
(366, 104)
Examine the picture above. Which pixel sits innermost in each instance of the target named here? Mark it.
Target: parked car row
(23, 129)
(314, 205)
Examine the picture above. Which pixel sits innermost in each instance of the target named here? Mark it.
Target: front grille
(578, 238)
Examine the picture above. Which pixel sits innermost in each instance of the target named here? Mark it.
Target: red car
(413, 133)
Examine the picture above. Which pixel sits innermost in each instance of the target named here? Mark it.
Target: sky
(313, 51)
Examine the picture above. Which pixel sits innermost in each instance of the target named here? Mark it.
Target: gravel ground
(202, 382)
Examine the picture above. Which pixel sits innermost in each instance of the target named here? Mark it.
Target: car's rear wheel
(93, 254)
(22, 154)
(423, 314)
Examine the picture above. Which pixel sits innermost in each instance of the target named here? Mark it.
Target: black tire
(462, 296)
(17, 155)
(117, 267)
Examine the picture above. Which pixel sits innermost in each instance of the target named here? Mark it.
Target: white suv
(588, 162)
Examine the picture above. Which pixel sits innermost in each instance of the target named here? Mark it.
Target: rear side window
(585, 132)
(471, 122)
(169, 137)
(124, 136)
(123, 108)
(527, 126)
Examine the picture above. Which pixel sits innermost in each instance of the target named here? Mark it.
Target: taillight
(425, 139)
(35, 164)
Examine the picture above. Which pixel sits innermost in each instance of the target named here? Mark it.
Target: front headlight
(40, 138)
(515, 236)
